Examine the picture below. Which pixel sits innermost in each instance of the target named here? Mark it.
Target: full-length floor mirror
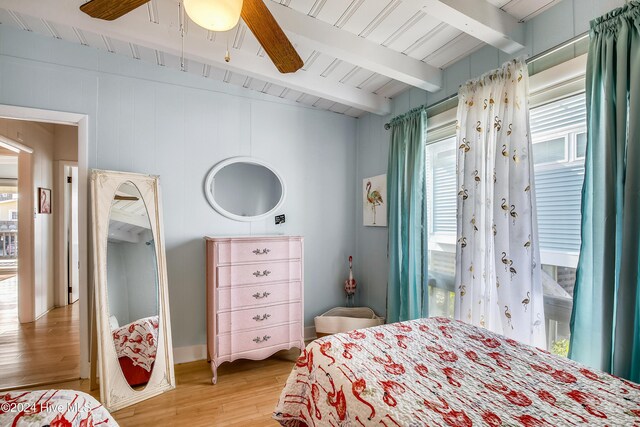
(132, 307)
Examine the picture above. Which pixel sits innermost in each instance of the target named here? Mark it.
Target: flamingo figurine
(350, 284)
(374, 198)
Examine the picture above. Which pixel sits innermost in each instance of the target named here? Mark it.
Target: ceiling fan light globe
(214, 15)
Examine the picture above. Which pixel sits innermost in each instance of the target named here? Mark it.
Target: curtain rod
(528, 61)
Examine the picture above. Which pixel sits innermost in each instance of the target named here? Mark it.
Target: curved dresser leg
(214, 371)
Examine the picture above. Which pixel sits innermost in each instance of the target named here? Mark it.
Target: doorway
(73, 256)
(81, 121)
(67, 225)
(40, 338)
(8, 243)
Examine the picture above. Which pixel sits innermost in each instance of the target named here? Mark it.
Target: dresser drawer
(266, 272)
(259, 317)
(258, 251)
(247, 296)
(258, 339)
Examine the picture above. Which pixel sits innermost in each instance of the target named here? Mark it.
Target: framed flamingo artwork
(44, 200)
(374, 201)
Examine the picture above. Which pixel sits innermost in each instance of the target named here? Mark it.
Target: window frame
(575, 147)
(553, 84)
(556, 83)
(443, 240)
(554, 137)
(570, 133)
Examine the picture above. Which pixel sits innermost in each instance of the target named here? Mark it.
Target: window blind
(559, 186)
(558, 198)
(444, 191)
(441, 186)
(558, 117)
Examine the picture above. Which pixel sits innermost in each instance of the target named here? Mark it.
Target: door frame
(26, 295)
(62, 239)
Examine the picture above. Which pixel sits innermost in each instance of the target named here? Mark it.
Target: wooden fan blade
(110, 9)
(273, 40)
(119, 197)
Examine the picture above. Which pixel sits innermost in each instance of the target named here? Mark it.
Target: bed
(55, 408)
(136, 346)
(440, 372)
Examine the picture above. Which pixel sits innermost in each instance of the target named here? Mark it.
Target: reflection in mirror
(244, 189)
(132, 285)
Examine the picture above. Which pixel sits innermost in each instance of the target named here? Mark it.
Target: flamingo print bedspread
(55, 408)
(138, 341)
(440, 372)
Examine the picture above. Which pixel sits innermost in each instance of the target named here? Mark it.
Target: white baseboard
(310, 333)
(193, 353)
(45, 312)
(189, 354)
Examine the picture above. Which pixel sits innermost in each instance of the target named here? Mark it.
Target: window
(558, 133)
(550, 151)
(441, 210)
(558, 184)
(13, 215)
(581, 145)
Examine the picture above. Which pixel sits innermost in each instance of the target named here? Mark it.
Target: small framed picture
(44, 200)
(374, 197)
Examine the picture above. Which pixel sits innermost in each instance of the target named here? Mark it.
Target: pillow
(113, 322)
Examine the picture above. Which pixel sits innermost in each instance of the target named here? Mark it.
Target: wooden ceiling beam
(479, 19)
(356, 50)
(166, 39)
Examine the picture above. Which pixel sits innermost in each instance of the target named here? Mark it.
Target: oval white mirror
(244, 189)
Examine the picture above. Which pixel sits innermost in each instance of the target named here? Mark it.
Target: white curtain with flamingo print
(498, 277)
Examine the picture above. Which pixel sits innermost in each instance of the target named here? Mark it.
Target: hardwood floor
(41, 352)
(245, 395)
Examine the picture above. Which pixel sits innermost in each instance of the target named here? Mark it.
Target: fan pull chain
(181, 17)
(227, 56)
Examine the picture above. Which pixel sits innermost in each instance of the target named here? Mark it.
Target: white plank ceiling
(332, 78)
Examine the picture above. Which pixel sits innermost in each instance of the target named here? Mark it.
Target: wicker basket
(344, 319)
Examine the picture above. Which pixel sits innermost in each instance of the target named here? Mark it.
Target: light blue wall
(132, 284)
(142, 278)
(117, 288)
(567, 19)
(147, 119)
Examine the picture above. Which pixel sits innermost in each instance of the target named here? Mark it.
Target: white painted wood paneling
(528, 9)
(397, 25)
(156, 120)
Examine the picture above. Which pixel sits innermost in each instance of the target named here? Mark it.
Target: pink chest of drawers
(254, 297)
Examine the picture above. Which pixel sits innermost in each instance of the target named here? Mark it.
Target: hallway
(41, 352)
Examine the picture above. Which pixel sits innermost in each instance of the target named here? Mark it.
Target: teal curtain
(605, 323)
(407, 296)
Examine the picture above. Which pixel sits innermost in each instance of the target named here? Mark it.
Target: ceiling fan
(219, 15)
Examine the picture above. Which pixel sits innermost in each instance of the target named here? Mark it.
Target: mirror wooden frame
(115, 391)
(208, 192)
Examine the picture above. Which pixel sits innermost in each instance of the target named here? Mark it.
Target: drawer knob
(258, 340)
(262, 273)
(261, 252)
(257, 295)
(257, 317)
